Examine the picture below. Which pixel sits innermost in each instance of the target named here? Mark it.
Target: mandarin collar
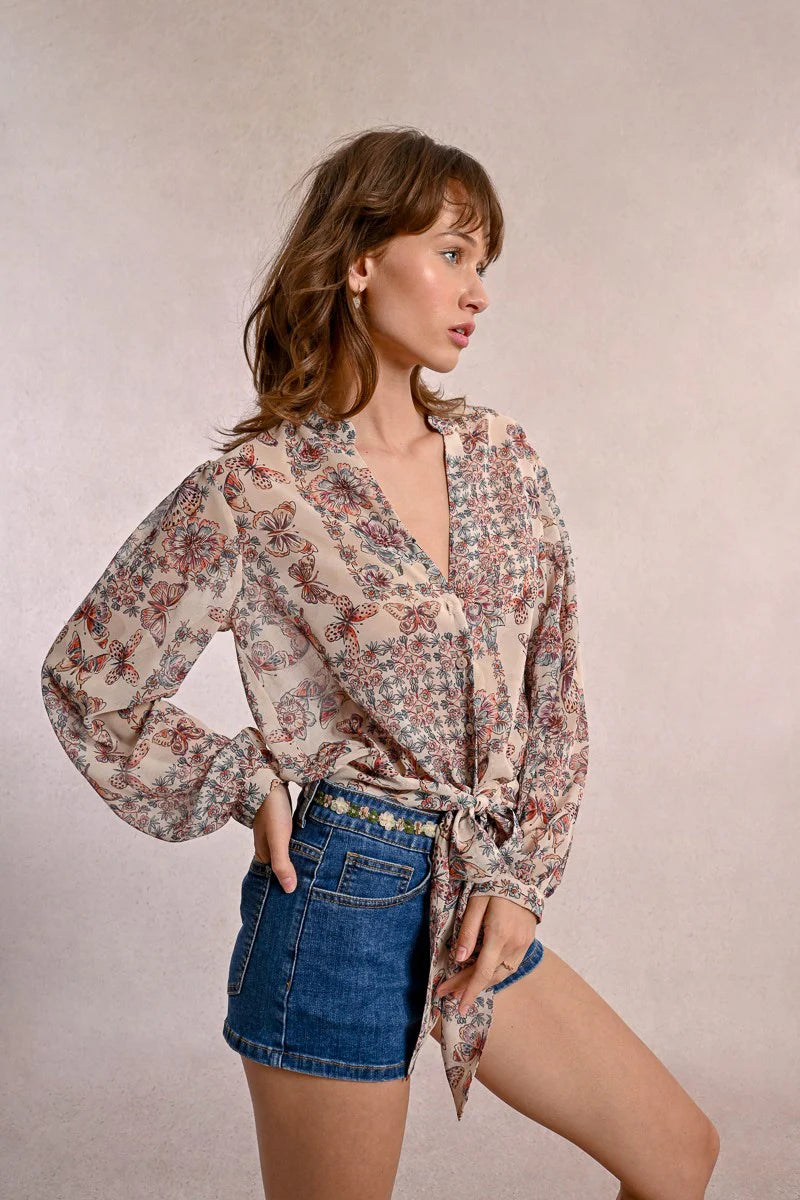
(343, 429)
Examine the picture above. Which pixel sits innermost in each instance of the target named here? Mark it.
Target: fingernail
(288, 883)
(461, 953)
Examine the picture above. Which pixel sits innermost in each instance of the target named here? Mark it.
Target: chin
(441, 363)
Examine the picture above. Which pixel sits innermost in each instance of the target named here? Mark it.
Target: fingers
(456, 987)
(272, 831)
(282, 867)
(469, 982)
(506, 935)
(471, 926)
(473, 980)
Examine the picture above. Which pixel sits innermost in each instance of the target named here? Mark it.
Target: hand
(272, 829)
(508, 932)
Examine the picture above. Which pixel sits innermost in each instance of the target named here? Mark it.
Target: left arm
(552, 775)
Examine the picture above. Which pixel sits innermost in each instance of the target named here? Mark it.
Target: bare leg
(559, 1054)
(305, 1128)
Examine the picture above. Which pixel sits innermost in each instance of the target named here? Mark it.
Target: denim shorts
(330, 979)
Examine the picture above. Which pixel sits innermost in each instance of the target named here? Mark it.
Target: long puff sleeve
(107, 678)
(552, 775)
(554, 767)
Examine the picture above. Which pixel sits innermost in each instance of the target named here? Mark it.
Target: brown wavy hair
(373, 186)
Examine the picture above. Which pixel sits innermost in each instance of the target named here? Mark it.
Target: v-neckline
(432, 567)
(443, 426)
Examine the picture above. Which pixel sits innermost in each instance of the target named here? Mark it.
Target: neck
(389, 421)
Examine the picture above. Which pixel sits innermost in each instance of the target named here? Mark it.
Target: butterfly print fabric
(361, 663)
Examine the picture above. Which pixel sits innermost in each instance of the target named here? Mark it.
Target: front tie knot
(475, 854)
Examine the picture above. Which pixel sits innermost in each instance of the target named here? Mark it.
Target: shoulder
(502, 429)
(206, 493)
(250, 475)
(246, 460)
(201, 486)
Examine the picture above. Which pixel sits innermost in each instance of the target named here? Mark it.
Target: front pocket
(255, 887)
(373, 878)
(359, 868)
(374, 901)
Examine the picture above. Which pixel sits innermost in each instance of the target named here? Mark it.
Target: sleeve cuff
(254, 792)
(527, 895)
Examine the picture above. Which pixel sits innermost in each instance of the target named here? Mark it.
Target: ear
(358, 275)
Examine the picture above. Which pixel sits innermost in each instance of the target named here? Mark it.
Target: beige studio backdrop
(643, 325)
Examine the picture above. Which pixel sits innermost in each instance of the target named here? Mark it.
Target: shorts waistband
(389, 814)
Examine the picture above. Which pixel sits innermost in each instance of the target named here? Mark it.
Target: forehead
(452, 221)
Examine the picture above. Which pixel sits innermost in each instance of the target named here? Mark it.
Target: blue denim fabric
(330, 979)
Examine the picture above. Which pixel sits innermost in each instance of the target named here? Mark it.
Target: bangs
(447, 175)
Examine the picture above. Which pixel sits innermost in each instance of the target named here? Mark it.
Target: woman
(401, 590)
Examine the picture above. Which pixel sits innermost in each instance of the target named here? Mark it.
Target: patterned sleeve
(553, 770)
(553, 773)
(107, 678)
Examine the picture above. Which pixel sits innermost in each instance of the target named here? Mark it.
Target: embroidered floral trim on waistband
(386, 820)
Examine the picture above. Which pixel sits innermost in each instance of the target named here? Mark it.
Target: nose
(479, 300)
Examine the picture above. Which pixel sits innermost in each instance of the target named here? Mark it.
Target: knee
(702, 1159)
(692, 1165)
(712, 1146)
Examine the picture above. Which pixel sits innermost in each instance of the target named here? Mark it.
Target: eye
(457, 250)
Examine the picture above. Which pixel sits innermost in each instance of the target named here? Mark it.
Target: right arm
(108, 677)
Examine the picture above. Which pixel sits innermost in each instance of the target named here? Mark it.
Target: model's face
(422, 286)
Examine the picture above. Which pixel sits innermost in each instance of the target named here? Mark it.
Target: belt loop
(306, 796)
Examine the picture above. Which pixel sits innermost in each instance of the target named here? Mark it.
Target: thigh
(559, 1054)
(323, 1138)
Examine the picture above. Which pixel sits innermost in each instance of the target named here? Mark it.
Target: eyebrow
(451, 233)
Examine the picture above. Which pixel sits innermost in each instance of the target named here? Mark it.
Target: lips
(466, 327)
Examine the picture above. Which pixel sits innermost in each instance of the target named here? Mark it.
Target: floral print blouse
(361, 663)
